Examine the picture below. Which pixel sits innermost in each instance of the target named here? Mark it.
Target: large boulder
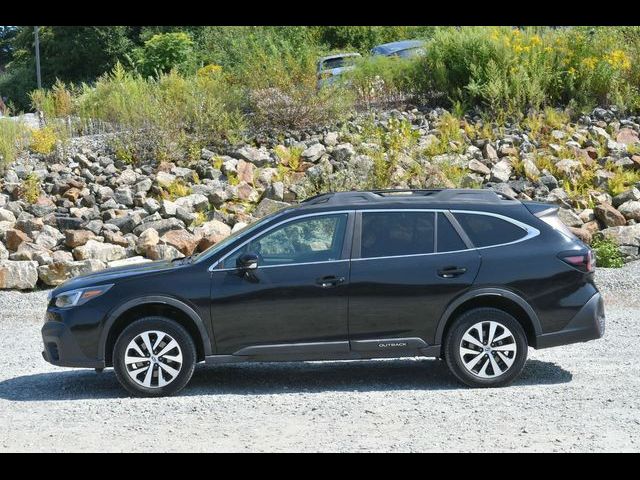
(57, 273)
(501, 171)
(160, 226)
(13, 238)
(163, 252)
(182, 240)
(21, 275)
(148, 238)
(258, 156)
(105, 252)
(213, 227)
(268, 206)
(609, 216)
(193, 203)
(77, 238)
(630, 210)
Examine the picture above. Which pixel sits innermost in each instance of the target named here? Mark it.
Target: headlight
(79, 296)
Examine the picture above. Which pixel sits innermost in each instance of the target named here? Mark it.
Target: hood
(112, 275)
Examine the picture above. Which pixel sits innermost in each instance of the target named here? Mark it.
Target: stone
(258, 156)
(609, 216)
(13, 238)
(182, 240)
(275, 191)
(245, 171)
(501, 171)
(126, 223)
(569, 217)
(208, 241)
(21, 275)
(124, 196)
(531, 171)
(163, 252)
(247, 193)
(69, 223)
(478, 167)
(195, 202)
(587, 215)
(116, 238)
(7, 216)
(630, 210)
(343, 152)
(213, 227)
(59, 272)
(30, 226)
(627, 136)
(314, 152)
(105, 252)
(268, 206)
(4, 253)
(148, 238)
(125, 262)
(127, 177)
(626, 196)
(582, 234)
(49, 237)
(331, 139)
(77, 238)
(570, 168)
(161, 226)
(489, 152)
(623, 235)
(164, 179)
(151, 205)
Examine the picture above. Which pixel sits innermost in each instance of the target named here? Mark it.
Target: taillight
(582, 261)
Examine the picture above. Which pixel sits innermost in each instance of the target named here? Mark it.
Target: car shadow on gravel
(272, 378)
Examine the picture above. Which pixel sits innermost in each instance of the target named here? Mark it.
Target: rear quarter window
(486, 230)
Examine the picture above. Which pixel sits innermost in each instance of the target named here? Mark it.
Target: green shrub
(29, 190)
(607, 253)
(163, 52)
(43, 140)
(176, 189)
(14, 138)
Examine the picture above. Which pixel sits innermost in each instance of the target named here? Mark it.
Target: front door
(295, 301)
(404, 273)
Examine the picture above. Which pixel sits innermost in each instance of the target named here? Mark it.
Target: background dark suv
(468, 275)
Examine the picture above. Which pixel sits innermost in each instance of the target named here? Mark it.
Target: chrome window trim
(288, 220)
(531, 232)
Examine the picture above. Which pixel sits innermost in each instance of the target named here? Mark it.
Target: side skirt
(358, 350)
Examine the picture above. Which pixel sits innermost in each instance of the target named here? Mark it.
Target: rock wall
(93, 211)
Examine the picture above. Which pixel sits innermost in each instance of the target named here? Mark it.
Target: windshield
(209, 252)
(339, 62)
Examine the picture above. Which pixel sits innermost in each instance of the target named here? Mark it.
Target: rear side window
(448, 238)
(386, 234)
(485, 230)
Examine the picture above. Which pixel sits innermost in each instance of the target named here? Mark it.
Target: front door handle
(330, 281)
(450, 272)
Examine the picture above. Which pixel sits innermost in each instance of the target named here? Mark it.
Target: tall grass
(14, 137)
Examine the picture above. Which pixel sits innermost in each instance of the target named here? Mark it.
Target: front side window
(386, 234)
(486, 230)
(309, 239)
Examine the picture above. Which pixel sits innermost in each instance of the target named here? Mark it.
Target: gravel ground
(583, 397)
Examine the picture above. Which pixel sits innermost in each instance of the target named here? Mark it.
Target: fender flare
(136, 302)
(486, 292)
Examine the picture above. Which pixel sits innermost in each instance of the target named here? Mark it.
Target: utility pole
(37, 57)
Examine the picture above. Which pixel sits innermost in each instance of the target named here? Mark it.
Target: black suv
(470, 276)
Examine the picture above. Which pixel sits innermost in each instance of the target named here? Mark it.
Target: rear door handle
(329, 281)
(450, 272)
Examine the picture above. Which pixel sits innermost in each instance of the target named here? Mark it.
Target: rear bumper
(587, 324)
(61, 348)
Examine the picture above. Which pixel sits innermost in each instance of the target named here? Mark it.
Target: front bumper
(587, 324)
(61, 348)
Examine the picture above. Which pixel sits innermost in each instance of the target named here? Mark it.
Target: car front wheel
(486, 347)
(154, 357)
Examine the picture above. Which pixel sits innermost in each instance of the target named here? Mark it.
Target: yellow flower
(536, 40)
(572, 71)
(618, 59)
(209, 70)
(518, 48)
(548, 49)
(590, 63)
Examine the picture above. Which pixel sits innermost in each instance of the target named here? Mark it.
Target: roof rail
(450, 194)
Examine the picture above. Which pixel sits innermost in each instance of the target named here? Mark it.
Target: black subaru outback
(470, 276)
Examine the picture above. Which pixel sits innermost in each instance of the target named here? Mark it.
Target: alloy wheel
(153, 359)
(488, 349)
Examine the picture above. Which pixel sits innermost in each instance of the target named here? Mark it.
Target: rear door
(407, 266)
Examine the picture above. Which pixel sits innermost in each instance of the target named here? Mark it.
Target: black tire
(453, 343)
(186, 347)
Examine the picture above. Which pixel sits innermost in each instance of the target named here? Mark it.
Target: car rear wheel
(486, 347)
(154, 357)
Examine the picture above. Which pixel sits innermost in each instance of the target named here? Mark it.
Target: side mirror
(247, 261)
